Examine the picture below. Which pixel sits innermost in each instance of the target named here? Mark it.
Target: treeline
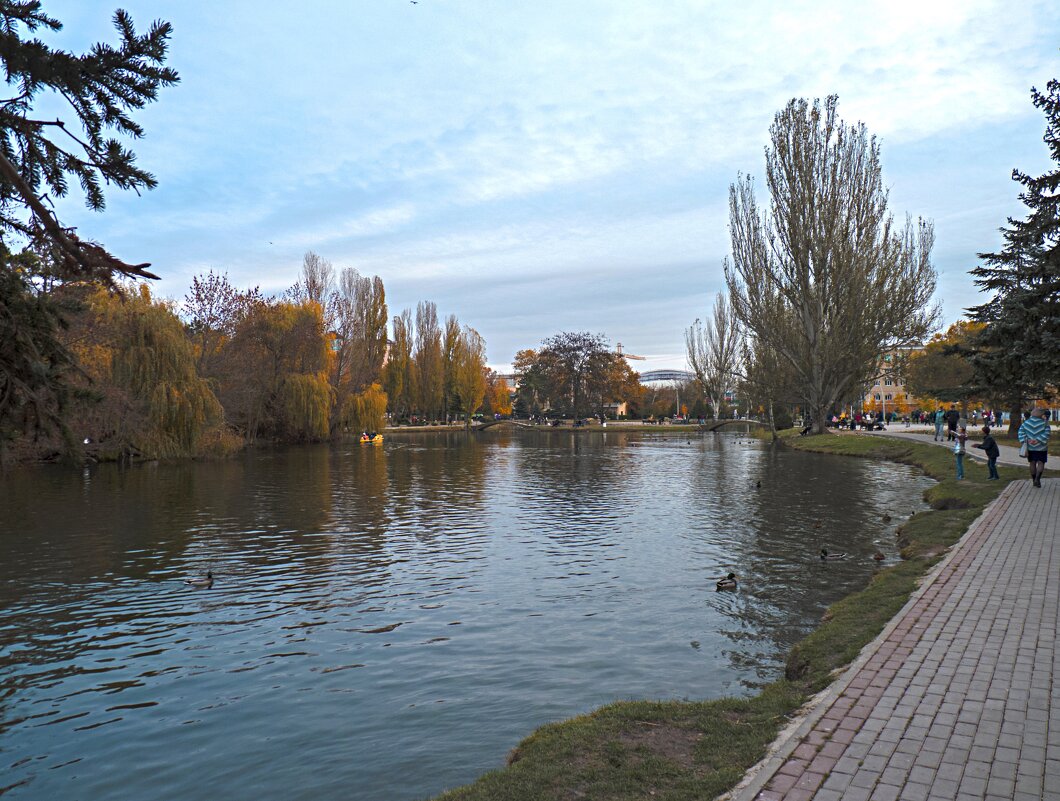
(136, 376)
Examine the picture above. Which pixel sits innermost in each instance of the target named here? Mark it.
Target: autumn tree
(823, 277)
(427, 358)
(713, 352)
(146, 398)
(276, 379)
(365, 411)
(399, 375)
(622, 385)
(942, 370)
(574, 370)
(498, 398)
(469, 372)
(212, 308)
(358, 337)
(530, 383)
(450, 346)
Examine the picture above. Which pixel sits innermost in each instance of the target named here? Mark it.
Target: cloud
(504, 157)
(369, 224)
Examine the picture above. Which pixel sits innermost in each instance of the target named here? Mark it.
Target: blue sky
(551, 166)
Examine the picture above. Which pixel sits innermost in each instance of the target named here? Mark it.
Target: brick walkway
(957, 698)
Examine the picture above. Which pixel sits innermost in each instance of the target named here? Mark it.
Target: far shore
(568, 426)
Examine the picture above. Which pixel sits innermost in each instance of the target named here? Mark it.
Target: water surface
(389, 622)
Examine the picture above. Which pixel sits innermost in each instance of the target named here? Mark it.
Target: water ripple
(388, 622)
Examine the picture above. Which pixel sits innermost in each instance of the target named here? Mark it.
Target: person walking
(991, 451)
(959, 438)
(1034, 437)
(940, 418)
(952, 418)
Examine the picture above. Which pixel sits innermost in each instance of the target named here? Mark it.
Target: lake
(388, 622)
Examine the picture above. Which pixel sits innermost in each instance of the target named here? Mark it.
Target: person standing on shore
(1034, 435)
(940, 418)
(959, 439)
(991, 451)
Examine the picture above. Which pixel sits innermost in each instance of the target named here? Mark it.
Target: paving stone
(915, 792)
(962, 699)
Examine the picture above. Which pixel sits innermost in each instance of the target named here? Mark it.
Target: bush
(782, 419)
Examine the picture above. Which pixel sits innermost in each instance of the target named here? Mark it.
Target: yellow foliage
(305, 400)
(137, 348)
(365, 411)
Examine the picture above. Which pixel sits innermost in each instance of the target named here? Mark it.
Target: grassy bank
(680, 750)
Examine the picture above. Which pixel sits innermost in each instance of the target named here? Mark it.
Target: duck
(831, 557)
(204, 582)
(878, 556)
(727, 583)
(886, 518)
(758, 484)
(817, 524)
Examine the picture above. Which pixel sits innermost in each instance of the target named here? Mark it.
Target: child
(958, 449)
(992, 452)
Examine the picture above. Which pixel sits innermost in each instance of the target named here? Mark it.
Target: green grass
(684, 750)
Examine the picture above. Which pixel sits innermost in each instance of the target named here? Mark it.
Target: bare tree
(714, 352)
(824, 279)
(316, 284)
(358, 317)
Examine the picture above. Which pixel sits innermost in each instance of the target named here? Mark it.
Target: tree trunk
(1015, 418)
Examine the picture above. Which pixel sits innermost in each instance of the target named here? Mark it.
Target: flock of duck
(729, 582)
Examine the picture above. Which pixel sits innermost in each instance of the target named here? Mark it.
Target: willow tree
(366, 410)
(147, 398)
(713, 352)
(275, 377)
(398, 375)
(823, 277)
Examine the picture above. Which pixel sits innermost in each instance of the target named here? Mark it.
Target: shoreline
(703, 749)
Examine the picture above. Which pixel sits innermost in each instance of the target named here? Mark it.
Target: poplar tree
(430, 377)
(398, 373)
(469, 372)
(823, 277)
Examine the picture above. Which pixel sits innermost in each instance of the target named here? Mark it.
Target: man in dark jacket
(952, 416)
(992, 452)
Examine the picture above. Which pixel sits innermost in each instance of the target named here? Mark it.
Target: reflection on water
(388, 622)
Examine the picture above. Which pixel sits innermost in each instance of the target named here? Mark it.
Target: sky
(551, 166)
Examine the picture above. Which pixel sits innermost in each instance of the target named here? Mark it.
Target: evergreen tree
(39, 156)
(94, 94)
(1016, 358)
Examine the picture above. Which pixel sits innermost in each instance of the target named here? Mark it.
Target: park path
(1009, 454)
(959, 697)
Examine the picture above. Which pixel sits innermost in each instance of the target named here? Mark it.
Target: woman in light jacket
(1034, 433)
